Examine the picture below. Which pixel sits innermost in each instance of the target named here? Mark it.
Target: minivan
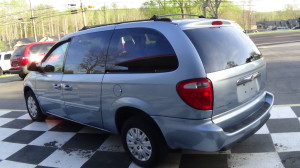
(161, 83)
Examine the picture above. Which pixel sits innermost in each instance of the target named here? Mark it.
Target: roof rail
(176, 14)
(100, 25)
(153, 18)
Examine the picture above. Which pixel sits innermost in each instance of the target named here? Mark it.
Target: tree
(213, 6)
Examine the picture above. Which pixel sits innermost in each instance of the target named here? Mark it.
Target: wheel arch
(124, 113)
(26, 89)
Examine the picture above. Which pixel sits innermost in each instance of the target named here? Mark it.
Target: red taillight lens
(217, 23)
(25, 60)
(198, 93)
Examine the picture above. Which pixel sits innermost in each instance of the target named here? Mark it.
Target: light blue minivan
(161, 83)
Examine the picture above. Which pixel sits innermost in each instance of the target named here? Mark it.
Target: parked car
(295, 28)
(25, 54)
(5, 62)
(282, 28)
(194, 84)
(251, 31)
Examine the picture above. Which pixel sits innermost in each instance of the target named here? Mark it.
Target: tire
(143, 142)
(1, 71)
(33, 107)
(22, 76)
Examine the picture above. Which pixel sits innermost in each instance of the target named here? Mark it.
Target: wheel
(1, 71)
(143, 142)
(33, 107)
(22, 75)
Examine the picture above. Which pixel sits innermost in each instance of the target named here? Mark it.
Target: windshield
(222, 47)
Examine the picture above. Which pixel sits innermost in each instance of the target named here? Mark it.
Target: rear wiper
(253, 57)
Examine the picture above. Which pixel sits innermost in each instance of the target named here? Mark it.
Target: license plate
(247, 90)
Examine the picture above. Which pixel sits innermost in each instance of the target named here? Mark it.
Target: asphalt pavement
(275, 37)
(283, 67)
(11, 95)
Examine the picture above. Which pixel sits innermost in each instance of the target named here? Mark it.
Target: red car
(25, 54)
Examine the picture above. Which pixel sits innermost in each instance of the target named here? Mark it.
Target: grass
(8, 75)
(272, 31)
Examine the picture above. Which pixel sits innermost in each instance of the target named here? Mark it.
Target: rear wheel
(33, 107)
(22, 75)
(143, 142)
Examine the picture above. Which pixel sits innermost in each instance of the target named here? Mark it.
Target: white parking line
(1, 110)
(285, 105)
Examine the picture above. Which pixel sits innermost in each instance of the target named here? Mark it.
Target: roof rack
(153, 18)
(100, 25)
(175, 14)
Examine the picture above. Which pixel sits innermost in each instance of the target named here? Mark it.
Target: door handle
(56, 86)
(68, 87)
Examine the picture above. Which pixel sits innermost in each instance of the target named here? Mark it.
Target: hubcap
(32, 108)
(138, 144)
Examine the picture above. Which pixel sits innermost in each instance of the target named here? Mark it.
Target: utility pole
(21, 30)
(33, 23)
(82, 12)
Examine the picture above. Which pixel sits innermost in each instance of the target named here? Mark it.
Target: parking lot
(60, 143)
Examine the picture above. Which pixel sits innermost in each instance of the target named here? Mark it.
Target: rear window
(19, 52)
(223, 47)
(40, 48)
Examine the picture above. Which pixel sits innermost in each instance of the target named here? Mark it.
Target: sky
(271, 5)
(257, 5)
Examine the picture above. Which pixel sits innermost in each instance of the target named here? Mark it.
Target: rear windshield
(19, 52)
(223, 47)
(40, 48)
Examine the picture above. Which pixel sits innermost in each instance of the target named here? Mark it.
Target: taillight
(198, 93)
(217, 23)
(25, 60)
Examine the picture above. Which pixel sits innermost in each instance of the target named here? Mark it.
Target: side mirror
(49, 68)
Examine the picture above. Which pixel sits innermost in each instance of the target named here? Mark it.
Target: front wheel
(33, 107)
(143, 142)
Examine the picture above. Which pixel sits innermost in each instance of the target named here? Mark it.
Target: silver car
(161, 83)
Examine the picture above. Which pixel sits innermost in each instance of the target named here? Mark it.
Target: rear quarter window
(223, 47)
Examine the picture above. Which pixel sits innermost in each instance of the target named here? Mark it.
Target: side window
(56, 58)
(7, 56)
(87, 53)
(140, 50)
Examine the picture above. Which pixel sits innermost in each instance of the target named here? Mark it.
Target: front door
(48, 84)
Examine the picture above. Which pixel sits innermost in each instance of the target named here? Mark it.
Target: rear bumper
(19, 70)
(209, 135)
